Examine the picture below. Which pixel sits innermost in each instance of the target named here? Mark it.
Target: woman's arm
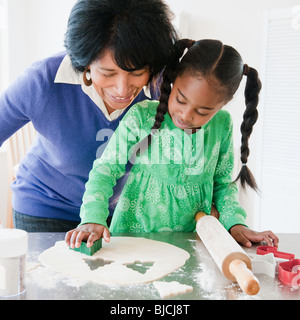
(20, 102)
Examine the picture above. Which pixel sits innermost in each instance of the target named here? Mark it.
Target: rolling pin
(230, 258)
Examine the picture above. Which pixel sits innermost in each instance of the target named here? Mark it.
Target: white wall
(48, 24)
(36, 30)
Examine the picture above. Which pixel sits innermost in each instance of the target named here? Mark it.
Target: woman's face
(117, 88)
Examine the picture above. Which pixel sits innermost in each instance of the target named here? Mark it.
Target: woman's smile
(121, 99)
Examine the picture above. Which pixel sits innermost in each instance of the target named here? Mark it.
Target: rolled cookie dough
(168, 289)
(119, 253)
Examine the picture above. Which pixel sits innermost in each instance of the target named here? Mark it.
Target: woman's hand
(246, 236)
(89, 232)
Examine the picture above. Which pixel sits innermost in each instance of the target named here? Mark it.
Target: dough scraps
(120, 253)
(168, 289)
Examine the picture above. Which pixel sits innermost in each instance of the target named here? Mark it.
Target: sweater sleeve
(225, 192)
(111, 166)
(20, 102)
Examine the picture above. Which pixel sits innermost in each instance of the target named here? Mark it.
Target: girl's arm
(225, 194)
(103, 177)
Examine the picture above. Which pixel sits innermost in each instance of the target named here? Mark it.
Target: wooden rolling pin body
(230, 258)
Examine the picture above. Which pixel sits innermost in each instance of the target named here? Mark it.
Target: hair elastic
(246, 70)
(184, 53)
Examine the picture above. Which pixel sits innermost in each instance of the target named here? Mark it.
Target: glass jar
(13, 250)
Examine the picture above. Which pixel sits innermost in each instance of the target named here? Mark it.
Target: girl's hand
(246, 236)
(89, 232)
(214, 212)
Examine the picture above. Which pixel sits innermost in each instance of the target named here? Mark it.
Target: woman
(75, 101)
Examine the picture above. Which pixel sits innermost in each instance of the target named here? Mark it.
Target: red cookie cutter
(262, 250)
(289, 273)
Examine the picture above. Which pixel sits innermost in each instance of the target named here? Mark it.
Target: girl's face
(193, 102)
(116, 87)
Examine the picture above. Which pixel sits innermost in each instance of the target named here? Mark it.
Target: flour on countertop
(214, 285)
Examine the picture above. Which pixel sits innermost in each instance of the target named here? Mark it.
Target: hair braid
(162, 108)
(253, 87)
(169, 76)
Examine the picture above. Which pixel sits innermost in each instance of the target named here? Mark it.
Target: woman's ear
(87, 82)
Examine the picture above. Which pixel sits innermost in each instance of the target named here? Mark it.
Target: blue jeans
(37, 224)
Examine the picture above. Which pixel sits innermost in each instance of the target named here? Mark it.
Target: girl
(187, 165)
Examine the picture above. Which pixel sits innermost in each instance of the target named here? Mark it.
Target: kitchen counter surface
(200, 272)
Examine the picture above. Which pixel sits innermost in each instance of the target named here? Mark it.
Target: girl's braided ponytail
(253, 87)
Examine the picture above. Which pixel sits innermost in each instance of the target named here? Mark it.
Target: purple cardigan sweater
(51, 179)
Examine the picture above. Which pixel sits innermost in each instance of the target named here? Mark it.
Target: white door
(278, 208)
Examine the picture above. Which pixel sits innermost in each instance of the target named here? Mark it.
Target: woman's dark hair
(217, 62)
(138, 32)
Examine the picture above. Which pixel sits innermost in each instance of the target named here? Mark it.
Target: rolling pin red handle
(244, 277)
